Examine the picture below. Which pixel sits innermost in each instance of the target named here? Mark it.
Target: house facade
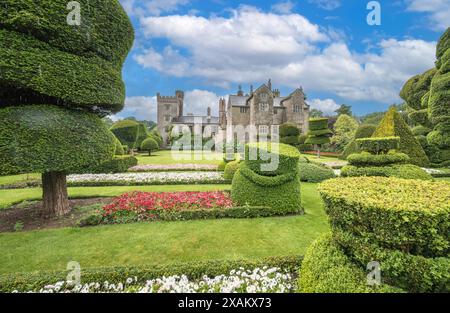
(258, 110)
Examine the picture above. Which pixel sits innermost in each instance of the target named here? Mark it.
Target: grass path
(164, 242)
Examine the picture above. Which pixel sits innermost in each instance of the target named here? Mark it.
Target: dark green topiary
(277, 187)
(314, 173)
(363, 131)
(51, 75)
(126, 131)
(149, 145)
(230, 170)
(44, 60)
(143, 134)
(119, 147)
(401, 224)
(428, 97)
(319, 133)
(393, 125)
(327, 269)
(407, 171)
(45, 138)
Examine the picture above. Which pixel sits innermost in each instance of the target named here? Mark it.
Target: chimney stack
(208, 111)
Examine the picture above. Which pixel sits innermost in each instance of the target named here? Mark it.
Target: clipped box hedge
(413, 273)
(367, 159)
(378, 145)
(318, 124)
(43, 138)
(411, 216)
(258, 154)
(406, 171)
(327, 269)
(194, 270)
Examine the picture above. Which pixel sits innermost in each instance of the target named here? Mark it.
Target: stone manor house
(261, 108)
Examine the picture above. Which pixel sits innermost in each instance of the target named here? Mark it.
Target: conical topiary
(393, 125)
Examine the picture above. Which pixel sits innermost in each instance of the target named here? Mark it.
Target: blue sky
(208, 48)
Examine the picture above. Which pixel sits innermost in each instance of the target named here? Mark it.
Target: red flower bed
(147, 205)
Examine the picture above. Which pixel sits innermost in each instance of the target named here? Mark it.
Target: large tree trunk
(56, 200)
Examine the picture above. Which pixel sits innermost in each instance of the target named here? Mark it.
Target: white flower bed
(148, 178)
(173, 167)
(265, 280)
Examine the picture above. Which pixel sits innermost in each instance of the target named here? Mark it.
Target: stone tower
(169, 108)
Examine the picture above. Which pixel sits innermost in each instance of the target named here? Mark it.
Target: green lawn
(183, 157)
(10, 197)
(165, 242)
(13, 179)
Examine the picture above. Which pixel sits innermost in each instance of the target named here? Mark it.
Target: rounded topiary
(119, 147)
(230, 170)
(52, 74)
(402, 224)
(277, 187)
(126, 131)
(363, 131)
(319, 133)
(314, 173)
(52, 62)
(149, 145)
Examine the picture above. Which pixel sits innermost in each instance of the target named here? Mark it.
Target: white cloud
(152, 7)
(438, 10)
(251, 46)
(326, 4)
(283, 7)
(143, 108)
(197, 102)
(327, 106)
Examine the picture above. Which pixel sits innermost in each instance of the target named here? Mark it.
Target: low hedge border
(406, 171)
(408, 215)
(326, 269)
(367, 159)
(185, 215)
(413, 273)
(193, 270)
(266, 181)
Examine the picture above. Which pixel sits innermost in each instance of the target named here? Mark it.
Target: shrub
(277, 188)
(230, 170)
(393, 125)
(326, 269)
(118, 164)
(367, 159)
(314, 173)
(410, 272)
(42, 138)
(126, 131)
(408, 215)
(119, 147)
(318, 123)
(259, 154)
(363, 131)
(377, 145)
(194, 270)
(157, 139)
(406, 171)
(420, 131)
(142, 134)
(289, 129)
(149, 145)
(344, 131)
(221, 166)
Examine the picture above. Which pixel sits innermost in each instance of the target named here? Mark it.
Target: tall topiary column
(429, 104)
(56, 81)
(319, 133)
(276, 187)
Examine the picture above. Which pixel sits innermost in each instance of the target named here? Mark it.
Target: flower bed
(154, 178)
(258, 280)
(173, 167)
(144, 206)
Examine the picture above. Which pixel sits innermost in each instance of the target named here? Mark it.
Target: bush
(194, 270)
(230, 170)
(260, 154)
(318, 123)
(406, 171)
(314, 173)
(363, 131)
(142, 134)
(410, 272)
(126, 131)
(367, 159)
(149, 145)
(420, 131)
(408, 215)
(288, 130)
(119, 147)
(118, 164)
(42, 138)
(278, 188)
(326, 269)
(378, 145)
(221, 166)
(393, 125)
